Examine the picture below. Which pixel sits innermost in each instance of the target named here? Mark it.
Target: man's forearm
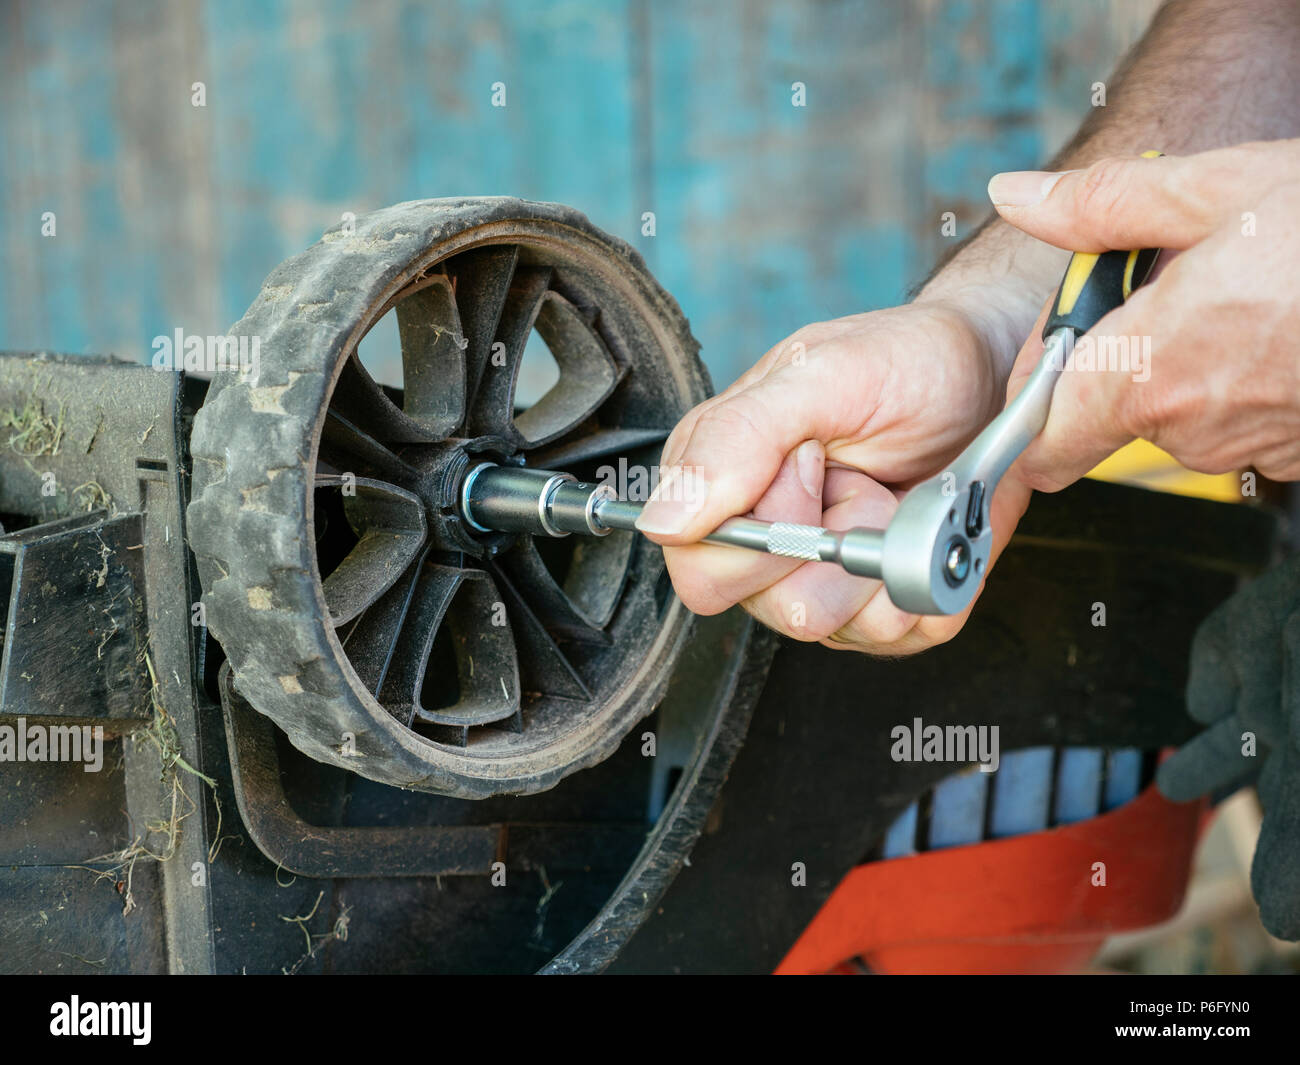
(1207, 74)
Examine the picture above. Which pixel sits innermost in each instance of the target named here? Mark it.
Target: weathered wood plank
(768, 215)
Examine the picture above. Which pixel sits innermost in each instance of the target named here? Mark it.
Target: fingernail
(810, 462)
(679, 496)
(1022, 188)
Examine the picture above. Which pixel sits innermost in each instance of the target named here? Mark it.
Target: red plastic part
(1026, 904)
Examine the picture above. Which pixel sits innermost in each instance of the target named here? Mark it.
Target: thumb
(1121, 203)
(734, 451)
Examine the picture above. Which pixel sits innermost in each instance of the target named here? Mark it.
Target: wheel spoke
(588, 373)
(492, 411)
(473, 677)
(563, 454)
(481, 279)
(364, 404)
(347, 449)
(390, 528)
(371, 643)
(594, 583)
(543, 667)
(557, 612)
(431, 593)
(433, 358)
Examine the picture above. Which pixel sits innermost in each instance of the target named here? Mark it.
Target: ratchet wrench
(937, 547)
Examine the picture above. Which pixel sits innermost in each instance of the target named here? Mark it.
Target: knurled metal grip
(794, 541)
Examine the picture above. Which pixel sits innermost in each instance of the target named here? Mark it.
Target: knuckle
(740, 416)
(876, 627)
(757, 608)
(1215, 465)
(1036, 468)
(1146, 410)
(807, 335)
(930, 632)
(1206, 456)
(794, 350)
(676, 442)
(1194, 191)
(1102, 187)
(819, 629)
(891, 628)
(792, 613)
(943, 630)
(700, 602)
(1043, 481)
(692, 582)
(835, 643)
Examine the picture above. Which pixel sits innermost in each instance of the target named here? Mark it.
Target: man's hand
(1222, 318)
(882, 400)
(828, 428)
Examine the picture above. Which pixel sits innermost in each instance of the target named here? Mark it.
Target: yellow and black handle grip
(1095, 283)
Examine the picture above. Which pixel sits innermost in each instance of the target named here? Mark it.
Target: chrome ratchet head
(937, 546)
(939, 543)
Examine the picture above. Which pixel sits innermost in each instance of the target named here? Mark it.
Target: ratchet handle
(1095, 283)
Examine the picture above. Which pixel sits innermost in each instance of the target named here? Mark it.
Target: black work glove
(1245, 681)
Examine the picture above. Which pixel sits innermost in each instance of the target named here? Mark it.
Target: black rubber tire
(253, 450)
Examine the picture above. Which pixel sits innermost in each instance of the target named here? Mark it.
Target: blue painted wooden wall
(768, 215)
